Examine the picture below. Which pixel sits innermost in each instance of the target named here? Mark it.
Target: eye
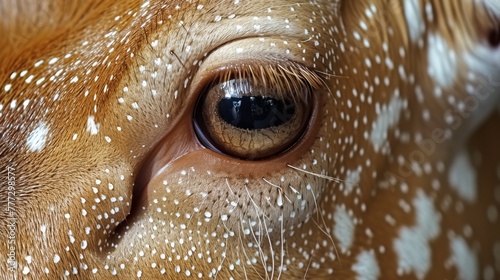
(254, 112)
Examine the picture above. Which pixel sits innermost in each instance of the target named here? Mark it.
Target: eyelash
(286, 76)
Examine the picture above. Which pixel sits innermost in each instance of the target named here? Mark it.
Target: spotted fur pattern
(397, 176)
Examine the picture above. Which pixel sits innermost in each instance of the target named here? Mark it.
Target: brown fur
(68, 186)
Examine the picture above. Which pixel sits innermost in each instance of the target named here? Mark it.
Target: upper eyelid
(285, 75)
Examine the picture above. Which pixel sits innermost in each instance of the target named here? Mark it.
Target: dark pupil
(255, 112)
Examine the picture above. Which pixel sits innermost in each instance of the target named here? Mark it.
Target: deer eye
(253, 113)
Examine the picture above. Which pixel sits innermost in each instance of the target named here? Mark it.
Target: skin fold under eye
(254, 112)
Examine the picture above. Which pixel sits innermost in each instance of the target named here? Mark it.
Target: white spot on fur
(462, 177)
(414, 20)
(489, 273)
(412, 245)
(492, 214)
(385, 120)
(496, 254)
(492, 6)
(366, 266)
(442, 61)
(485, 62)
(351, 180)
(92, 126)
(43, 229)
(464, 258)
(343, 229)
(38, 138)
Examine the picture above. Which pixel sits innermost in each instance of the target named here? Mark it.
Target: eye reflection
(255, 112)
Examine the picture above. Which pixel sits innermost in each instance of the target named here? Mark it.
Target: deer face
(246, 139)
